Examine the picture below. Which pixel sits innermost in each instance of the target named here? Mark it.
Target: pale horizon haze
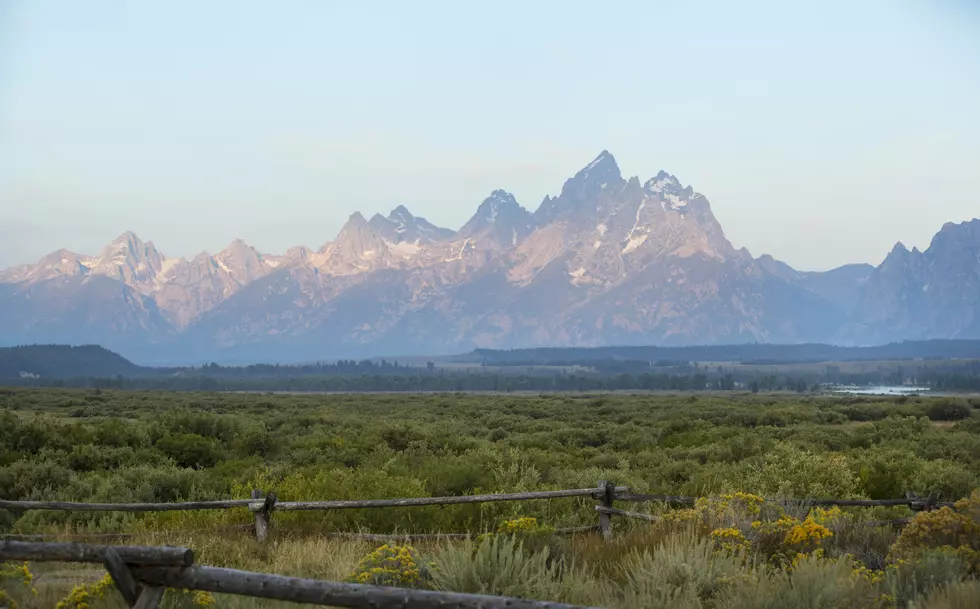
(822, 133)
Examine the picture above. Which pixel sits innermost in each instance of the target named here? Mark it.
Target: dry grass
(661, 565)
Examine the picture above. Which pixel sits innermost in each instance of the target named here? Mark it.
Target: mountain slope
(918, 295)
(81, 311)
(499, 223)
(609, 260)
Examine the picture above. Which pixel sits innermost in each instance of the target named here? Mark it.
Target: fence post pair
(263, 516)
(918, 504)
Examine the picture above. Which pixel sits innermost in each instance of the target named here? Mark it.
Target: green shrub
(929, 569)
(949, 479)
(813, 583)
(955, 532)
(790, 471)
(948, 409)
(190, 450)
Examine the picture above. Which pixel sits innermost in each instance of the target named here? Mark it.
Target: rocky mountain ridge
(609, 260)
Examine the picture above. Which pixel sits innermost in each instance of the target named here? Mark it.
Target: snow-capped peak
(603, 169)
(604, 157)
(498, 220)
(663, 182)
(401, 215)
(498, 200)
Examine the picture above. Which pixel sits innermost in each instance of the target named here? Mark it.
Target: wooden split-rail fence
(143, 574)
(263, 505)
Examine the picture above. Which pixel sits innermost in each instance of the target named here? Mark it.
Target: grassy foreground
(728, 551)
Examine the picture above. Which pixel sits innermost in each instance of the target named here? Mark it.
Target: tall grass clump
(501, 565)
(683, 571)
(813, 583)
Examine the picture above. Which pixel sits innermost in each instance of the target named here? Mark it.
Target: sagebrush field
(730, 550)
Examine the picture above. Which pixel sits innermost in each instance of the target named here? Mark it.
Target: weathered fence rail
(290, 506)
(142, 575)
(70, 506)
(81, 552)
(263, 505)
(334, 594)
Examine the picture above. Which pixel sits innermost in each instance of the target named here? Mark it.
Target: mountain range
(608, 261)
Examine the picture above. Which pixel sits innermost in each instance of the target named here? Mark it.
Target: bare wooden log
(82, 552)
(640, 516)
(69, 506)
(122, 576)
(150, 598)
(334, 594)
(288, 506)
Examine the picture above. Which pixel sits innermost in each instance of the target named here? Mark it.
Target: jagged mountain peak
(601, 172)
(899, 249)
(664, 182)
(355, 229)
(238, 247)
(932, 293)
(356, 218)
(129, 248)
(607, 261)
(965, 232)
(358, 247)
(242, 262)
(499, 221)
(401, 214)
(579, 193)
(128, 237)
(497, 201)
(605, 163)
(401, 226)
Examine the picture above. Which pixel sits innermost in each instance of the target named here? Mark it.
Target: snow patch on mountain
(634, 242)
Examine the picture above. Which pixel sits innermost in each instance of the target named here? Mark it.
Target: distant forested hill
(944, 365)
(745, 353)
(64, 362)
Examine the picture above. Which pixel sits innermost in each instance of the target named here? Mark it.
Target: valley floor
(729, 550)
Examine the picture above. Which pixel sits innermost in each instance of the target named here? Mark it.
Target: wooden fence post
(918, 504)
(150, 598)
(263, 516)
(608, 493)
(122, 576)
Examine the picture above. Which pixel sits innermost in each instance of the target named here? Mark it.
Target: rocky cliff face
(609, 260)
(930, 294)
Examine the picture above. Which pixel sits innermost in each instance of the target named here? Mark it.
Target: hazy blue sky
(821, 132)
